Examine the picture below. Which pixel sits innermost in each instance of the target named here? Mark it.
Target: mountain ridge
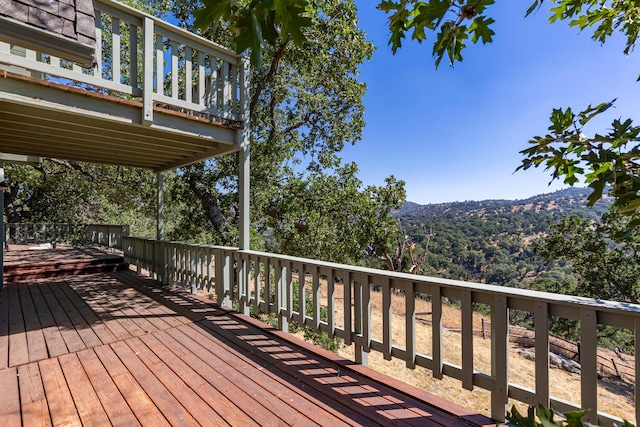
(569, 200)
(492, 241)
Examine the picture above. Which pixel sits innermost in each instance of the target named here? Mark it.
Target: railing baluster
(188, 70)
(115, 49)
(223, 81)
(366, 318)
(467, 340)
(316, 298)
(331, 302)
(589, 363)
(346, 306)
(289, 291)
(302, 294)
(97, 70)
(281, 295)
(201, 79)
(159, 65)
(541, 325)
(194, 270)
(257, 280)
(436, 332)
(267, 285)
(175, 58)
(499, 357)
(358, 318)
(133, 56)
(214, 85)
(410, 324)
(233, 101)
(387, 314)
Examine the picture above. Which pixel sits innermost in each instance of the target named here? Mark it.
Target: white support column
(147, 72)
(244, 160)
(160, 217)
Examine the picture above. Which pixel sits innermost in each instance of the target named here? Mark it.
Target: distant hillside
(568, 201)
(491, 241)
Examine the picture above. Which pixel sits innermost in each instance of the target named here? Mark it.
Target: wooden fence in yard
(266, 281)
(105, 235)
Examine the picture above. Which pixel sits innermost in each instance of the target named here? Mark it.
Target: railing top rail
(522, 294)
(177, 242)
(598, 304)
(230, 55)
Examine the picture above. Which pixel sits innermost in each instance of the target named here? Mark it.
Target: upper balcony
(156, 96)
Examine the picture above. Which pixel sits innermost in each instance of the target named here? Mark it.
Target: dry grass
(615, 397)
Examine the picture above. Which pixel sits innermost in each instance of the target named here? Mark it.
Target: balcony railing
(105, 235)
(139, 57)
(268, 281)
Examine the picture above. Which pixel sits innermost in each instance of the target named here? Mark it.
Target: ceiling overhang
(42, 121)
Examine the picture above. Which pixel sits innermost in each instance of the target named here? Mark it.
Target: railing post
(467, 340)
(243, 284)
(410, 324)
(362, 314)
(499, 357)
(541, 325)
(589, 364)
(223, 277)
(147, 72)
(281, 295)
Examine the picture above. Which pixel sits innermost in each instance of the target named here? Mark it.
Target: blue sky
(455, 134)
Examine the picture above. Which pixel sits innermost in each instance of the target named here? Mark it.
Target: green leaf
(536, 5)
(574, 419)
(546, 417)
(250, 36)
(479, 29)
(387, 6)
(211, 12)
(515, 419)
(630, 207)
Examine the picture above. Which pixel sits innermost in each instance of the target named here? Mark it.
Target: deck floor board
(121, 349)
(4, 330)
(56, 345)
(35, 411)
(115, 405)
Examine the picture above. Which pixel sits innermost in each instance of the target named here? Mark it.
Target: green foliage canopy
(605, 267)
(610, 159)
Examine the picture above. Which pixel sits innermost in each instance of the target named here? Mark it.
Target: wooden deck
(119, 349)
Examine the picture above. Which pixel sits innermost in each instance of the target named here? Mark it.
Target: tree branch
(279, 53)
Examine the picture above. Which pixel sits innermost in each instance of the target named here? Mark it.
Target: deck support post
(243, 136)
(160, 216)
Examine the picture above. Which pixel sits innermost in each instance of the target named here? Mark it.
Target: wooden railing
(143, 58)
(268, 282)
(106, 235)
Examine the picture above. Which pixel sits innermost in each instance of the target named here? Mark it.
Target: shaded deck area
(115, 348)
